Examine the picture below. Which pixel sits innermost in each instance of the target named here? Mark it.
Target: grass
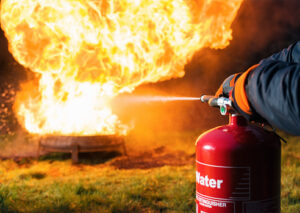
(290, 179)
(50, 185)
(53, 187)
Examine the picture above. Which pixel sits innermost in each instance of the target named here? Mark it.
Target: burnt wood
(77, 144)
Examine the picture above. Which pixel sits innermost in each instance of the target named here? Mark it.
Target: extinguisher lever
(225, 104)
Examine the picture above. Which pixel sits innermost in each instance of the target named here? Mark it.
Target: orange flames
(85, 52)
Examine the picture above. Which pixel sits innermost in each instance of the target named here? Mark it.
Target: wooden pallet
(77, 144)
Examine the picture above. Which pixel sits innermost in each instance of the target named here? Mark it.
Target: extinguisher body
(238, 169)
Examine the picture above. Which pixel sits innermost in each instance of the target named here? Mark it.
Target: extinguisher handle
(225, 104)
(214, 102)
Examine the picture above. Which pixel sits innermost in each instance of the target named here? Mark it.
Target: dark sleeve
(273, 90)
(290, 54)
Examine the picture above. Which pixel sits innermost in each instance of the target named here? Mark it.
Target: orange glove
(233, 87)
(227, 86)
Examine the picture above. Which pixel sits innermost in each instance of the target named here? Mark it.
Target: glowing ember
(85, 52)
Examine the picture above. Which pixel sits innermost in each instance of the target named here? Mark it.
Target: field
(160, 179)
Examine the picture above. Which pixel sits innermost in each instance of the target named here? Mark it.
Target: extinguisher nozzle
(206, 98)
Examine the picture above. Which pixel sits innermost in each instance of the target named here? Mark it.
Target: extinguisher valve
(225, 104)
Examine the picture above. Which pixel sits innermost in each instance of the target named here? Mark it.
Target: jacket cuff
(239, 93)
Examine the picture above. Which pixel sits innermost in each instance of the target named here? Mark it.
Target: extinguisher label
(206, 205)
(223, 182)
(219, 187)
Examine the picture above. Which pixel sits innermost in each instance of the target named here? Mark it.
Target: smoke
(263, 27)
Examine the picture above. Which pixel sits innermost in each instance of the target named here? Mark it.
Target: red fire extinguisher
(237, 166)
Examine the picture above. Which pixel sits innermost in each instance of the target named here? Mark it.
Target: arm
(290, 54)
(272, 90)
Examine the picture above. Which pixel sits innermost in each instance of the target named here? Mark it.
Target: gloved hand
(233, 87)
(227, 86)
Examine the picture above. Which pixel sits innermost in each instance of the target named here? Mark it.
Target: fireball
(86, 52)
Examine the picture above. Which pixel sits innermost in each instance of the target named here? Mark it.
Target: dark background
(261, 28)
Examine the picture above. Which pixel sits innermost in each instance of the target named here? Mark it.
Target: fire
(85, 52)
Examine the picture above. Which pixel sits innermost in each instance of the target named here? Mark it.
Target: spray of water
(141, 99)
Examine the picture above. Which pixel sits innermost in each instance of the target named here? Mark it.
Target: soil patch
(157, 157)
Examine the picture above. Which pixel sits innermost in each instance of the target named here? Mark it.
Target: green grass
(290, 178)
(166, 189)
(51, 185)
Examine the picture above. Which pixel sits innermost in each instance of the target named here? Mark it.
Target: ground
(160, 179)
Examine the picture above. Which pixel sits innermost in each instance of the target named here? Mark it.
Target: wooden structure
(76, 144)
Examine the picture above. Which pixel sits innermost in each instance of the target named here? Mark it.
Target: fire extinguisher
(237, 166)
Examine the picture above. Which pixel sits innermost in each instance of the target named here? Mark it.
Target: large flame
(85, 52)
